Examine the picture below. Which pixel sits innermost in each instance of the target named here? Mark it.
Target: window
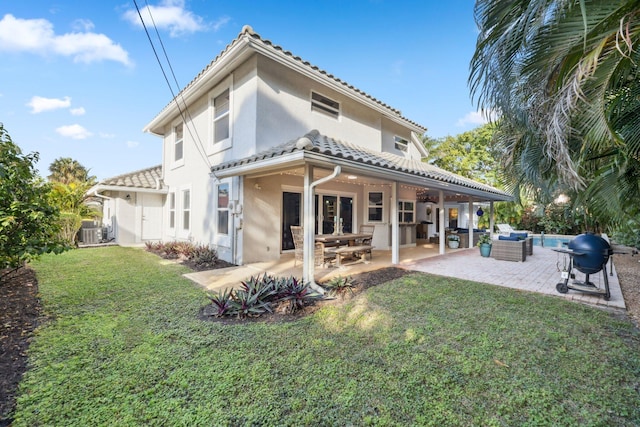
(186, 209)
(172, 210)
(401, 143)
(325, 105)
(221, 117)
(375, 206)
(178, 135)
(223, 209)
(405, 211)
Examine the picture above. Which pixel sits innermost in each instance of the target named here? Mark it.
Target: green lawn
(123, 346)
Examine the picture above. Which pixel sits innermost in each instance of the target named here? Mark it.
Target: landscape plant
(29, 224)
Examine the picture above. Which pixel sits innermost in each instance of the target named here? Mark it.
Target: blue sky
(80, 80)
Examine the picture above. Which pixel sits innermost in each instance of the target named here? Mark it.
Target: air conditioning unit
(91, 236)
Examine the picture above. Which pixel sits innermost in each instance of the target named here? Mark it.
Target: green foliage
(295, 293)
(339, 286)
(484, 239)
(470, 154)
(204, 256)
(70, 182)
(564, 78)
(66, 170)
(28, 223)
(453, 237)
(421, 350)
(199, 256)
(221, 302)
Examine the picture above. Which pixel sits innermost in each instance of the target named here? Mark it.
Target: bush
(259, 295)
(340, 286)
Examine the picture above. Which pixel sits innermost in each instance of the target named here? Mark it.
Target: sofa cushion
(511, 238)
(520, 236)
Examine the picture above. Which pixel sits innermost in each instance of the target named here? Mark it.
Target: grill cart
(588, 254)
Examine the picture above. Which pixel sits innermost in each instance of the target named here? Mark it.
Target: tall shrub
(28, 223)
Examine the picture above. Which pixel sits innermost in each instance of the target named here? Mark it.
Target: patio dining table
(341, 239)
(340, 243)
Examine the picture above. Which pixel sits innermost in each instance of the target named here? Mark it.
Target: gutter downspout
(308, 263)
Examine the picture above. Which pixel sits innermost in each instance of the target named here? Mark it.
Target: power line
(196, 140)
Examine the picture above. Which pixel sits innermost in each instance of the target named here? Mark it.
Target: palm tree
(564, 77)
(67, 170)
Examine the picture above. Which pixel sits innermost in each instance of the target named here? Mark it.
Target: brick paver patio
(539, 273)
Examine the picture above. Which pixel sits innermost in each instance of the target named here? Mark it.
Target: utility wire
(198, 141)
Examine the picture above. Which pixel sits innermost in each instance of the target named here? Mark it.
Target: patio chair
(509, 249)
(320, 255)
(366, 229)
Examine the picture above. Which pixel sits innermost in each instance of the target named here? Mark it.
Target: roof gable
(249, 41)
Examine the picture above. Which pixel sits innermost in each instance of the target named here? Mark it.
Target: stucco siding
(284, 103)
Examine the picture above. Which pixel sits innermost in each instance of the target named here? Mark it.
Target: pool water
(552, 241)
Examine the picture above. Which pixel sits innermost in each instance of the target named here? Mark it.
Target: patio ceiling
(369, 166)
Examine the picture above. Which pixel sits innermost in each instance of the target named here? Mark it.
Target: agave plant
(340, 286)
(221, 302)
(296, 293)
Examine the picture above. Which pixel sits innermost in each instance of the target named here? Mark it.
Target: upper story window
(178, 142)
(221, 117)
(325, 105)
(401, 143)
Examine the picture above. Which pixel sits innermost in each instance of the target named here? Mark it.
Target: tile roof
(315, 142)
(144, 178)
(248, 32)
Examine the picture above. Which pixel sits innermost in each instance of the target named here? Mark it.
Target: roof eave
(238, 52)
(299, 158)
(100, 187)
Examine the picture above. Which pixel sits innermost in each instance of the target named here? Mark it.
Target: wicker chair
(509, 250)
(320, 255)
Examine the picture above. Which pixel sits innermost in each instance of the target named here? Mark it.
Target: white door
(151, 216)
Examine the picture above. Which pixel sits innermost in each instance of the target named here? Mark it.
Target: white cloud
(37, 36)
(169, 15)
(132, 144)
(82, 25)
(74, 132)
(107, 135)
(220, 23)
(476, 118)
(39, 104)
(80, 111)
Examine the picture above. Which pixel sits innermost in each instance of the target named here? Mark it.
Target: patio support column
(491, 219)
(308, 216)
(441, 232)
(470, 222)
(395, 234)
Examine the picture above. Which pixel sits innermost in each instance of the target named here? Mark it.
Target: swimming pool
(551, 240)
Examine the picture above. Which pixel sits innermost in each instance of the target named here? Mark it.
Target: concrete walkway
(539, 273)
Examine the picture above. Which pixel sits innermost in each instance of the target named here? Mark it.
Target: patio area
(539, 273)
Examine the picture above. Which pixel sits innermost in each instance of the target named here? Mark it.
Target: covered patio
(315, 165)
(538, 274)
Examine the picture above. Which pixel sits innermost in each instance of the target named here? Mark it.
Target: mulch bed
(20, 313)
